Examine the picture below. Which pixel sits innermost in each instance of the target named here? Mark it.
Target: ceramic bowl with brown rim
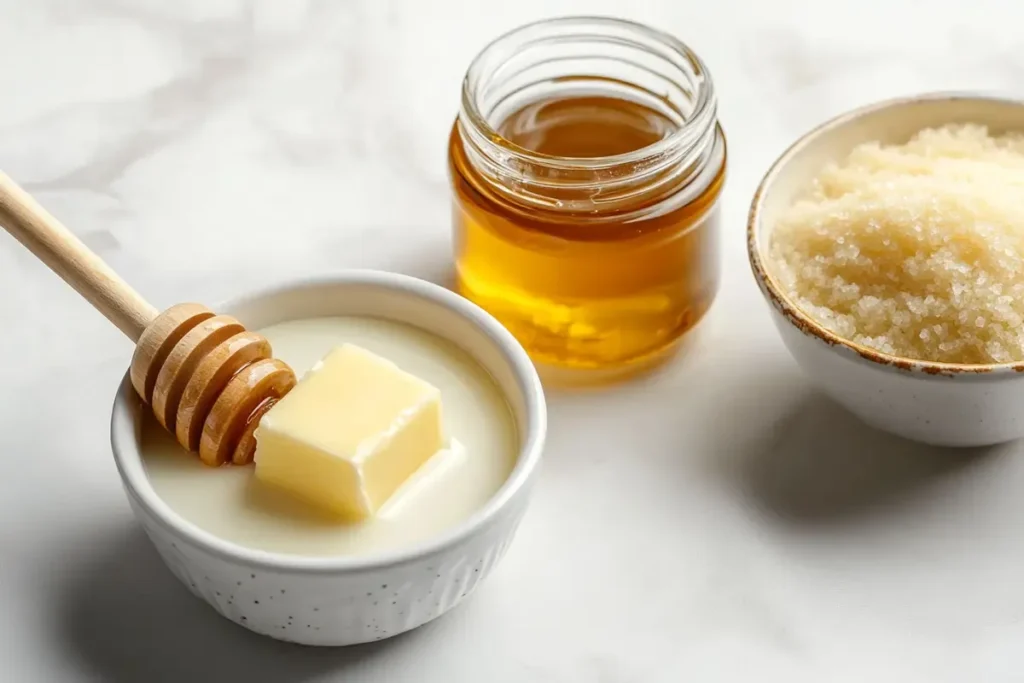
(942, 404)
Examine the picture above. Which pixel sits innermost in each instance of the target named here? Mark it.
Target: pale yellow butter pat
(350, 433)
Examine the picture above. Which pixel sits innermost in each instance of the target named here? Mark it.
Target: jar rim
(703, 100)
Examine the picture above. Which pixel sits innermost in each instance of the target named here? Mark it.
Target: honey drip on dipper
(207, 379)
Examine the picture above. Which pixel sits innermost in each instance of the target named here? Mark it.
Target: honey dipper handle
(58, 248)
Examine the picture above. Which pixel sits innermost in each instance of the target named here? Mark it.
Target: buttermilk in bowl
(299, 507)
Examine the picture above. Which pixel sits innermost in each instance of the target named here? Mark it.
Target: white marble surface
(719, 521)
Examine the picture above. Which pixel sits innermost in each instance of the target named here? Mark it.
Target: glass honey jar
(586, 164)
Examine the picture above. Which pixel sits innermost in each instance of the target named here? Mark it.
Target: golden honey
(585, 199)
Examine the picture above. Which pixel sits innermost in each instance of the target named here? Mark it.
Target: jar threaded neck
(588, 55)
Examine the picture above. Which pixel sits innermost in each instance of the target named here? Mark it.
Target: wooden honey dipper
(207, 379)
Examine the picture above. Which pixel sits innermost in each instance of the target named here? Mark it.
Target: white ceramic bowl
(347, 600)
(936, 403)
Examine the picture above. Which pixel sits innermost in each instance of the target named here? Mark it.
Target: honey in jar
(586, 164)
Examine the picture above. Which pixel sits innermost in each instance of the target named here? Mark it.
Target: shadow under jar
(586, 164)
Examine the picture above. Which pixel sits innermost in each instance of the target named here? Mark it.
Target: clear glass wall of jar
(586, 164)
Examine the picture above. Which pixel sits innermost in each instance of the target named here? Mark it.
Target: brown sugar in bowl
(943, 404)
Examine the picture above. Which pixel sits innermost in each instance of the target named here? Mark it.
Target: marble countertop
(717, 521)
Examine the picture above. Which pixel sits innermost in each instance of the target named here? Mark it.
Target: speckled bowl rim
(794, 314)
(127, 456)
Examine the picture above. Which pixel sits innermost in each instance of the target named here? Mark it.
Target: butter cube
(350, 433)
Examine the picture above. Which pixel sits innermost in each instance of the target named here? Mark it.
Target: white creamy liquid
(232, 504)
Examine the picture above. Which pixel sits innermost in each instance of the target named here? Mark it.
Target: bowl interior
(890, 122)
(382, 295)
(403, 302)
